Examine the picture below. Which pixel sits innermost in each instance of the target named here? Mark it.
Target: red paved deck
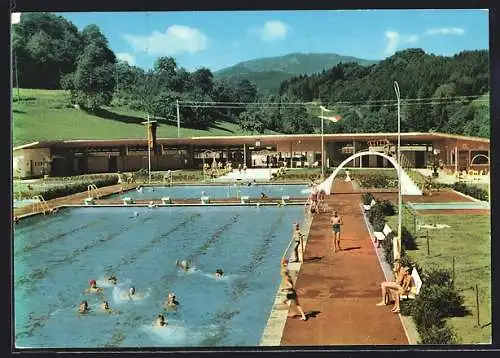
(342, 288)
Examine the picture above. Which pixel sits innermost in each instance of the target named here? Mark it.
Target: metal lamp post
(400, 197)
(323, 109)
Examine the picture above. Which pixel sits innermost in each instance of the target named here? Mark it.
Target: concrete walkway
(339, 290)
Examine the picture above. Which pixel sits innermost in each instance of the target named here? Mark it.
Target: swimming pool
(450, 205)
(55, 256)
(214, 191)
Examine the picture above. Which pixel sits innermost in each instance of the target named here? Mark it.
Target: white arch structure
(408, 187)
(479, 155)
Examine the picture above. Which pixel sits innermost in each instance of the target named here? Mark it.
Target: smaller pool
(452, 206)
(215, 191)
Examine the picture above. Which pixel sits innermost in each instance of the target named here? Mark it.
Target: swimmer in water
(112, 280)
(131, 292)
(105, 307)
(84, 307)
(263, 196)
(183, 265)
(93, 287)
(171, 301)
(219, 273)
(161, 321)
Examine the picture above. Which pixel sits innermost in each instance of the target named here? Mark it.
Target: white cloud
(123, 56)
(446, 31)
(177, 39)
(395, 39)
(272, 30)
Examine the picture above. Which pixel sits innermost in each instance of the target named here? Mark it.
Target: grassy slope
(45, 115)
(468, 239)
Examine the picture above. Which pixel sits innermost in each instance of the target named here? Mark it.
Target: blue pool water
(55, 256)
(449, 205)
(215, 191)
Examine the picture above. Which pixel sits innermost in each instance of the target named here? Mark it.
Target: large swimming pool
(215, 191)
(55, 256)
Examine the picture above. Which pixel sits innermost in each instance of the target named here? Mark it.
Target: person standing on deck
(336, 222)
(298, 239)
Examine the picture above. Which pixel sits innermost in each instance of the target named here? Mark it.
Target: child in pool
(161, 321)
(93, 287)
(84, 307)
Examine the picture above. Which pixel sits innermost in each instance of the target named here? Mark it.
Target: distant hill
(268, 73)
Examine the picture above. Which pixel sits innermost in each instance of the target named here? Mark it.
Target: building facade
(419, 150)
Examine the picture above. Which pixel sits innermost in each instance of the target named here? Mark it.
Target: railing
(40, 204)
(93, 191)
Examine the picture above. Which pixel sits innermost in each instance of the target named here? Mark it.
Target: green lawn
(47, 115)
(468, 239)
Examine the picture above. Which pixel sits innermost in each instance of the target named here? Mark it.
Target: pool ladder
(93, 191)
(40, 205)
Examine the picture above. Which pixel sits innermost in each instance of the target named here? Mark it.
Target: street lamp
(400, 197)
(323, 109)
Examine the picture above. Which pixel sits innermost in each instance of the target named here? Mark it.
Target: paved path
(342, 288)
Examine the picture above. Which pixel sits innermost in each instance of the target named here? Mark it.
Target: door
(365, 161)
(380, 162)
(31, 168)
(113, 164)
(419, 159)
(81, 164)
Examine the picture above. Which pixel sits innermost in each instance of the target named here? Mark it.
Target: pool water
(215, 191)
(55, 257)
(450, 205)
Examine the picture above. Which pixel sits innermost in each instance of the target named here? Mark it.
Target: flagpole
(149, 148)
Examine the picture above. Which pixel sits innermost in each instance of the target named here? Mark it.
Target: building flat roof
(250, 139)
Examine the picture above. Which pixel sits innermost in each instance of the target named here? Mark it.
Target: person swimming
(131, 291)
(112, 280)
(171, 301)
(161, 321)
(105, 306)
(84, 307)
(263, 195)
(184, 264)
(219, 273)
(93, 287)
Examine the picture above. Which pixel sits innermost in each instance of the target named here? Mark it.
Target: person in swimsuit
(392, 289)
(84, 307)
(291, 296)
(336, 221)
(161, 321)
(298, 239)
(93, 287)
(112, 280)
(171, 301)
(183, 265)
(105, 307)
(219, 273)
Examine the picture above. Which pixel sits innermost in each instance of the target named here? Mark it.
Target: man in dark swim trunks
(336, 222)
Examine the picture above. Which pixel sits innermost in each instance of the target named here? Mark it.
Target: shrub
(470, 190)
(387, 208)
(377, 217)
(367, 198)
(436, 335)
(407, 240)
(447, 301)
(425, 315)
(76, 187)
(440, 277)
(378, 181)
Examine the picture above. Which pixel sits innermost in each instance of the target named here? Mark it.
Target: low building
(419, 150)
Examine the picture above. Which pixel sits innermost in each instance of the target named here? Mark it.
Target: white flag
(15, 18)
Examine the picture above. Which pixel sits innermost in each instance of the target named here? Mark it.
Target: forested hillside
(447, 94)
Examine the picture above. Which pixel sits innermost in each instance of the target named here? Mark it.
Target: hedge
(471, 190)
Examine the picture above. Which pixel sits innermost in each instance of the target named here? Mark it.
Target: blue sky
(221, 39)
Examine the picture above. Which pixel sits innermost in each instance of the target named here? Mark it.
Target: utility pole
(178, 120)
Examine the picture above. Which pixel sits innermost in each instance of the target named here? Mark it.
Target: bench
(415, 287)
(382, 235)
(371, 205)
